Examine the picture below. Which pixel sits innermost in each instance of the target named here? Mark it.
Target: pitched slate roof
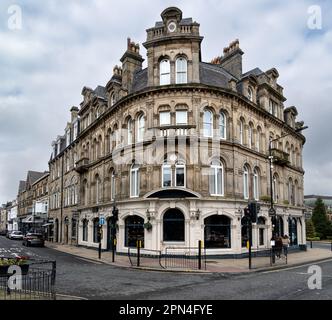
(214, 75)
(254, 72)
(33, 176)
(101, 92)
(140, 80)
(21, 186)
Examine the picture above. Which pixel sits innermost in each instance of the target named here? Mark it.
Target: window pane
(167, 176)
(181, 117)
(180, 177)
(173, 226)
(165, 118)
(181, 70)
(212, 181)
(133, 184)
(219, 181)
(165, 73)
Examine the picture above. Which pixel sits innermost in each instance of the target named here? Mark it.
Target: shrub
(313, 239)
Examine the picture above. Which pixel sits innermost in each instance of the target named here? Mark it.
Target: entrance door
(134, 231)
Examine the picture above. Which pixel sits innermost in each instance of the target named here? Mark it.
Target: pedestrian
(278, 247)
(285, 244)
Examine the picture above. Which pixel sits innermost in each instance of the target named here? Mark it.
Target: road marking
(297, 267)
(87, 260)
(71, 297)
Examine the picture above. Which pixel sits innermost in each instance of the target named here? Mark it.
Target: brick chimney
(232, 59)
(132, 61)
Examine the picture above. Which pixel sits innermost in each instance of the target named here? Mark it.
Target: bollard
(138, 253)
(310, 244)
(200, 255)
(331, 245)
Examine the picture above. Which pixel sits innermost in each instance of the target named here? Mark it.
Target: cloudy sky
(64, 45)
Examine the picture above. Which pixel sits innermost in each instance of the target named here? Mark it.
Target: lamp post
(272, 211)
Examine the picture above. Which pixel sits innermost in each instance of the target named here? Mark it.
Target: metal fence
(37, 283)
(140, 257)
(185, 258)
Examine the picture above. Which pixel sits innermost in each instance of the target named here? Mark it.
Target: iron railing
(185, 258)
(37, 282)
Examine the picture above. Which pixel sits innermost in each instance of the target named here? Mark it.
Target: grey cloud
(65, 45)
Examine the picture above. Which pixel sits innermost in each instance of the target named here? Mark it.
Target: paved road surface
(92, 280)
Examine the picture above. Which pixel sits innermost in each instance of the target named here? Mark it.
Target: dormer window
(113, 100)
(181, 70)
(75, 133)
(68, 137)
(250, 94)
(165, 72)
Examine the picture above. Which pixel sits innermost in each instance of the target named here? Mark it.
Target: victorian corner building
(179, 148)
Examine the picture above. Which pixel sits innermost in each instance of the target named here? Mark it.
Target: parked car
(3, 233)
(33, 239)
(8, 233)
(16, 235)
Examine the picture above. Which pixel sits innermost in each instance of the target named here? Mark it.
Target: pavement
(319, 253)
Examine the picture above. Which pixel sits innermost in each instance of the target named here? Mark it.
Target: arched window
(173, 226)
(141, 128)
(217, 179)
(250, 94)
(290, 191)
(275, 188)
(251, 136)
(217, 232)
(167, 175)
(95, 230)
(113, 186)
(181, 70)
(130, 131)
(208, 124)
(165, 72)
(258, 139)
(180, 174)
(246, 182)
(222, 126)
(98, 190)
(241, 132)
(134, 181)
(85, 230)
(292, 230)
(256, 184)
(84, 199)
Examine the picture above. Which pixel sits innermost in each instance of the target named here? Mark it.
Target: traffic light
(115, 214)
(254, 208)
(246, 212)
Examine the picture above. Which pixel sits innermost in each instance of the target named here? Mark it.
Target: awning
(29, 219)
(47, 224)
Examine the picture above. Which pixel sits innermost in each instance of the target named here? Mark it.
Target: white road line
(297, 267)
(91, 261)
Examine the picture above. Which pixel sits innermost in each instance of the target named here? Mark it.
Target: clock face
(172, 27)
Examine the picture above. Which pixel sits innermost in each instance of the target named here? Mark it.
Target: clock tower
(171, 39)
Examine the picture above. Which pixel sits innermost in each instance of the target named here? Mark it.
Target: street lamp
(272, 211)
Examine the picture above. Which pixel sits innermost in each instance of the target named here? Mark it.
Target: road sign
(101, 221)
(272, 212)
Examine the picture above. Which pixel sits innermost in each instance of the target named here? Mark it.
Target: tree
(319, 218)
(311, 233)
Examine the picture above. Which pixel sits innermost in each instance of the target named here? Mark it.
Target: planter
(4, 270)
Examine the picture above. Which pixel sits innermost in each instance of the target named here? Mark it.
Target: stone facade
(181, 144)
